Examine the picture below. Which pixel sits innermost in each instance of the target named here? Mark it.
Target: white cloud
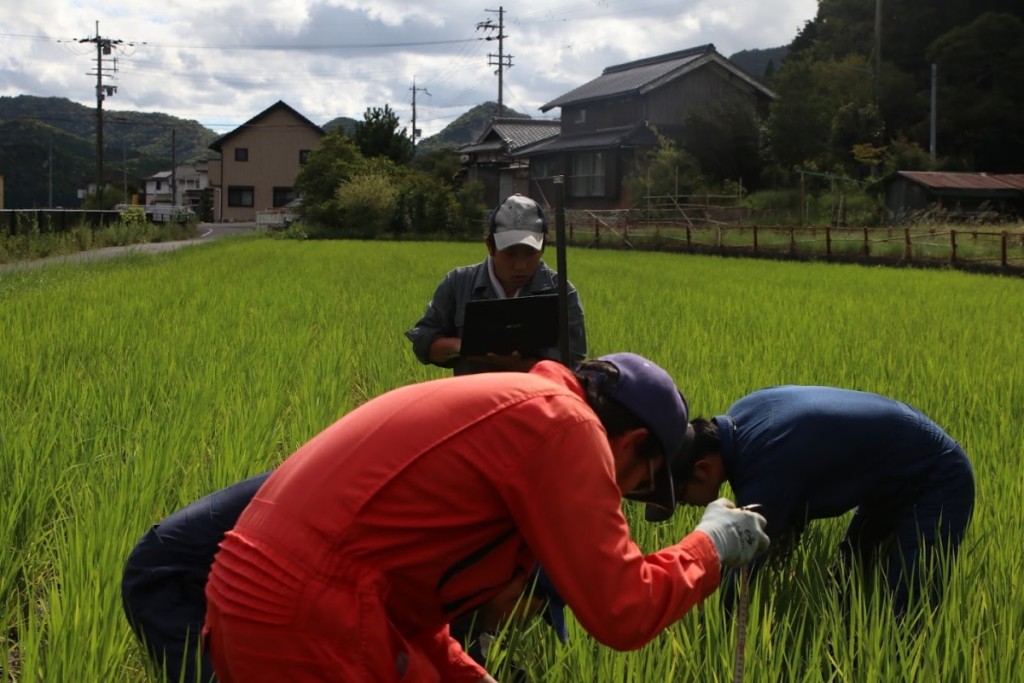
(222, 63)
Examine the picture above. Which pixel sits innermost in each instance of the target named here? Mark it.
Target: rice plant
(130, 388)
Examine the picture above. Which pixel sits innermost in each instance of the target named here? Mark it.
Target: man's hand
(737, 533)
(444, 349)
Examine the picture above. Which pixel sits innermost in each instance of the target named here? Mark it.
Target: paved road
(204, 233)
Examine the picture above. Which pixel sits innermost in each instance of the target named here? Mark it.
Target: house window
(241, 154)
(588, 174)
(580, 117)
(303, 156)
(283, 195)
(241, 196)
(542, 168)
(157, 188)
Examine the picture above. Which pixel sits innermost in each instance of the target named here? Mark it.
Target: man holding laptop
(512, 270)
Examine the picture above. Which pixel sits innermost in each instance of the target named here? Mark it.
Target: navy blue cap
(650, 393)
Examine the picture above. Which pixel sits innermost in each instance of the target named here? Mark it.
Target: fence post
(906, 244)
(755, 238)
(597, 232)
(828, 242)
(1002, 250)
(867, 250)
(952, 246)
(792, 239)
(689, 243)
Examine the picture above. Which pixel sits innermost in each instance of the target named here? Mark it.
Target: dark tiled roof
(509, 134)
(605, 139)
(643, 74)
(520, 132)
(969, 182)
(488, 146)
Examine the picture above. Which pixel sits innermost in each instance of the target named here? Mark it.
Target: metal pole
(934, 113)
(99, 117)
(741, 625)
(563, 277)
(174, 169)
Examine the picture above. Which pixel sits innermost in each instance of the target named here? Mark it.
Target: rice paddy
(132, 387)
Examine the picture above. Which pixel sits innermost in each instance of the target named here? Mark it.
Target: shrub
(367, 204)
(424, 205)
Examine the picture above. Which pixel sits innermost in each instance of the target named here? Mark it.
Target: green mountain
(347, 125)
(38, 134)
(466, 128)
(760, 64)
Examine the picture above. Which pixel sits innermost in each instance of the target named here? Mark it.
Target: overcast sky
(221, 62)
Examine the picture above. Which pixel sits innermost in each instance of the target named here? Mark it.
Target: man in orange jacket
(432, 499)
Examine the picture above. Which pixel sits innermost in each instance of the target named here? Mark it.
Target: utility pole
(415, 130)
(501, 60)
(877, 61)
(174, 168)
(934, 118)
(49, 165)
(104, 46)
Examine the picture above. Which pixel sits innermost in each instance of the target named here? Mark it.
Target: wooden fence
(965, 247)
(27, 221)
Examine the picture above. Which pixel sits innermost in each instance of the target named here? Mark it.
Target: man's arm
(567, 506)
(435, 336)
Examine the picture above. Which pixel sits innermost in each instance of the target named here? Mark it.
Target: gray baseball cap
(518, 220)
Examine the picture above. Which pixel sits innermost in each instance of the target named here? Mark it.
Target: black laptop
(525, 324)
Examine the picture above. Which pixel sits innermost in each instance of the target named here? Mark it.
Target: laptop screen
(525, 324)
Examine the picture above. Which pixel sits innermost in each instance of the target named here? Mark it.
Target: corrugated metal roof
(937, 180)
(635, 77)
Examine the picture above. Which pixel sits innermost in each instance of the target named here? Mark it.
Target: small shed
(959, 195)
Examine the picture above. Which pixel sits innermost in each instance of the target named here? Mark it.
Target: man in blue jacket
(164, 582)
(806, 452)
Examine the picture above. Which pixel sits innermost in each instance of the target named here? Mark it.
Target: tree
(981, 91)
(335, 161)
(665, 170)
(378, 135)
(725, 141)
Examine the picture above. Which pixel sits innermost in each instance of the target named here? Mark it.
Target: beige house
(259, 161)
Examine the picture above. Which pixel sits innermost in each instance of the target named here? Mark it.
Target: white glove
(738, 534)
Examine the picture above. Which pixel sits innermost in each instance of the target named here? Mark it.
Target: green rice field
(131, 387)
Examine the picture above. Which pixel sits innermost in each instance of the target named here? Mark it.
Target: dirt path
(204, 233)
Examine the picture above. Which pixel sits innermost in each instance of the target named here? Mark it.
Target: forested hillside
(855, 100)
(38, 131)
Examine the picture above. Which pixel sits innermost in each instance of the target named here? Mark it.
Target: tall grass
(133, 387)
